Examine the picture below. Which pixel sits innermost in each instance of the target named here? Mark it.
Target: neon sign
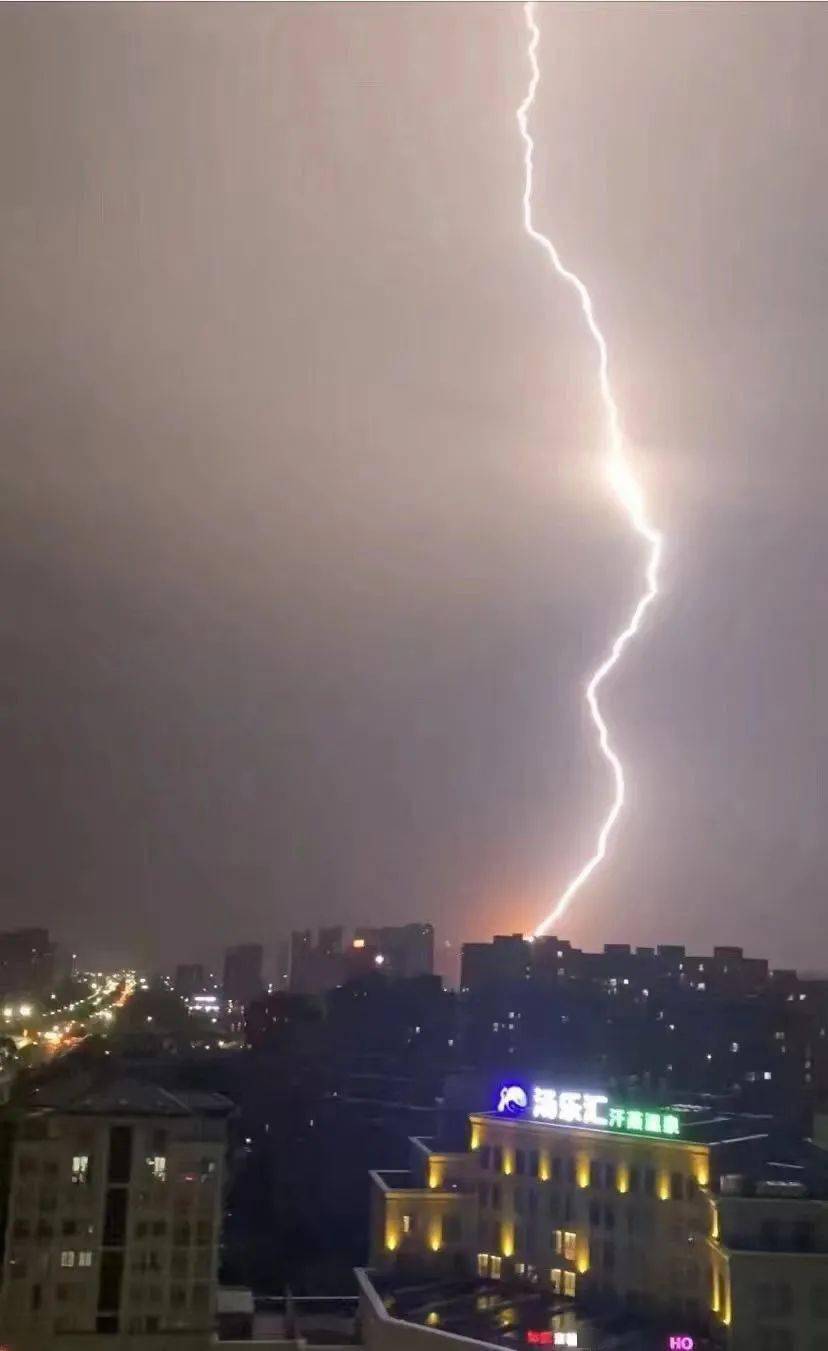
(543, 1337)
(681, 1343)
(594, 1110)
(512, 1099)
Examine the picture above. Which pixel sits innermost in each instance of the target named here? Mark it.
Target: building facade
(114, 1217)
(673, 1214)
(243, 973)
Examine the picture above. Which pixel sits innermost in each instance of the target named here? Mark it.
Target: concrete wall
(381, 1332)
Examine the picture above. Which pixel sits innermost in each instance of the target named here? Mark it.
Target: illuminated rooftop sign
(593, 1110)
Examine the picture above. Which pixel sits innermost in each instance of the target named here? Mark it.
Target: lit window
(80, 1168)
(734, 1046)
(84, 1259)
(408, 1224)
(555, 1277)
(569, 1246)
(482, 1264)
(67, 1259)
(558, 1241)
(494, 1268)
(569, 1283)
(158, 1165)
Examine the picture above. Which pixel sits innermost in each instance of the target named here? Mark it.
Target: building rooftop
(697, 1125)
(516, 1316)
(86, 1096)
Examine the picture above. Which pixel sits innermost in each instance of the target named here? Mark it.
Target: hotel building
(679, 1214)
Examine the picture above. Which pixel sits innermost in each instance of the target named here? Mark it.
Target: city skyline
(306, 558)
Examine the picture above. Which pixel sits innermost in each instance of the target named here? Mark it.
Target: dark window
(533, 1202)
(594, 1175)
(20, 1229)
(804, 1236)
(649, 1181)
(676, 1186)
(495, 1197)
(159, 1227)
(770, 1234)
(37, 1296)
(181, 1233)
(451, 1229)
(570, 1172)
(115, 1214)
(141, 1229)
(485, 1157)
(594, 1214)
(634, 1179)
(519, 1199)
(534, 1162)
(497, 1159)
(520, 1161)
(120, 1153)
(109, 1287)
(557, 1170)
(106, 1322)
(483, 1193)
(153, 1322)
(609, 1176)
(609, 1255)
(69, 1227)
(159, 1142)
(609, 1217)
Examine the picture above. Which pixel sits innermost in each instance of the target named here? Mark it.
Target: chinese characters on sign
(581, 1109)
(585, 1109)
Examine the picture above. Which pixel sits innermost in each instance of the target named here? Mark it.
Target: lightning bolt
(622, 481)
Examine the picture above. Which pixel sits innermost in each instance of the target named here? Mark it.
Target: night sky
(306, 551)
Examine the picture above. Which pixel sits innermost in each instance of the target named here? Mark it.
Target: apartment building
(675, 1213)
(114, 1217)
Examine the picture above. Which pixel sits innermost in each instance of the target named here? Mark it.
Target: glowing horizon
(622, 479)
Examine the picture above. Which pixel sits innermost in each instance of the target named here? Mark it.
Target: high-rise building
(114, 1215)
(505, 959)
(27, 962)
(189, 979)
(243, 973)
(316, 967)
(405, 949)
